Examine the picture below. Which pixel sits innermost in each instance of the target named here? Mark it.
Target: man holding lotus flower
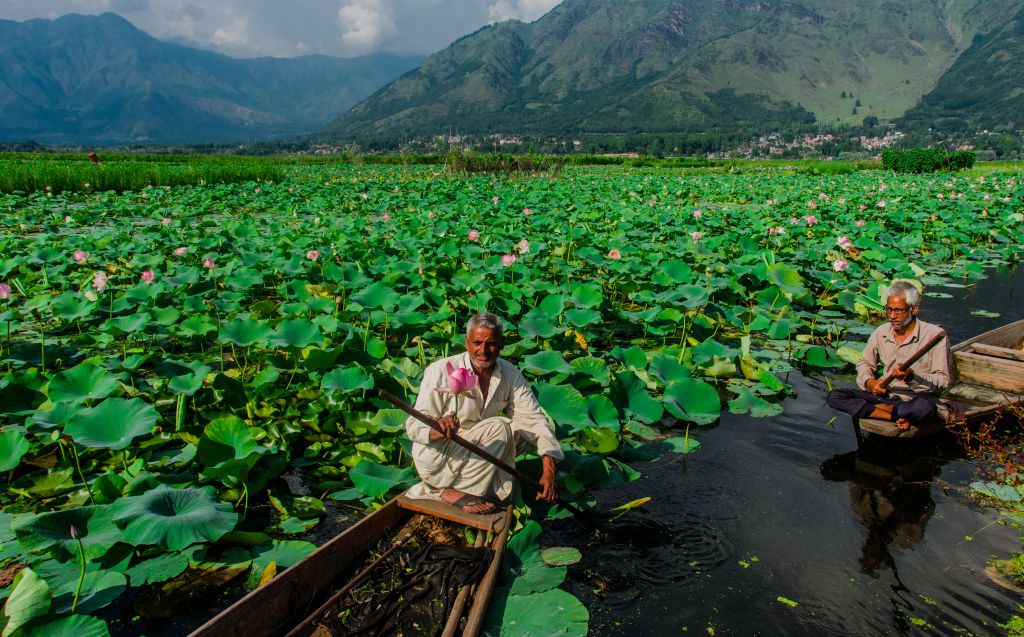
(485, 400)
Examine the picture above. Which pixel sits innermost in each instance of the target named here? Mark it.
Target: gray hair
(907, 290)
(485, 321)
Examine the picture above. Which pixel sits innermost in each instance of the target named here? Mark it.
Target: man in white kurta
(501, 415)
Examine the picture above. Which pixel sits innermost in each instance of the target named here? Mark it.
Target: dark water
(869, 541)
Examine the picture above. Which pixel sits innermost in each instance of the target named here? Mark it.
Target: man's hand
(876, 387)
(449, 425)
(548, 481)
(903, 374)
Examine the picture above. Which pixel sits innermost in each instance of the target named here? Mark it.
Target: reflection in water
(890, 492)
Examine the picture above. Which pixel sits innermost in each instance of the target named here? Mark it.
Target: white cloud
(366, 24)
(247, 28)
(525, 10)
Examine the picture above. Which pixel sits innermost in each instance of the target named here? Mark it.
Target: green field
(189, 345)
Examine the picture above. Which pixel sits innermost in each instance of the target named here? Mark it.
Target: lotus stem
(78, 465)
(81, 575)
(42, 346)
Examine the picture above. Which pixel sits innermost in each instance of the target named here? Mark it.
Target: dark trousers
(859, 403)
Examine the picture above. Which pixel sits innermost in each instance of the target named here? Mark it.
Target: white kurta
(510, 418)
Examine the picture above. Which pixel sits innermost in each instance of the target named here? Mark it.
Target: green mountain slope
(681, 66)
(983, 90)
(99, 80)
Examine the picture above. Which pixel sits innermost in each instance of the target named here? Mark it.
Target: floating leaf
(174, 518)
(71, 626)
(82, 382)
(112, 424)
(376, 480)
(694, 400)
(561, 556)
(346, 379)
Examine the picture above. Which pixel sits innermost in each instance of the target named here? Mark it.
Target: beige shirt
(509, 395)
(932, 372)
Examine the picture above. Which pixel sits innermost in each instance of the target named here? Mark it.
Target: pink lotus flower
(842, 201)
(99, 281)
(256, 190)
(839, 265)
(209, 264)
(812, 205)
(473, 235)
(811, 220)
(507, 259)
(767, 202)
(987, 196)
(881, 204)
(697, 235)
(844, 242)
(313, 255)
(5, 291)
(793, 221)
(697, 214)
(180, 252)
(460, 380)
(387, 217)
(147, 276)
(527, 211)
(431, 214)
(494, 200)
(523, 247)
(863, 207)
(776, 230)
(166, 221)
(80, 256)
(861, 223)
(614, 254)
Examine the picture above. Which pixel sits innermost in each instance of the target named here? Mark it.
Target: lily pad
(112, 424)
(376, 480)
(174, 518)
(694, 400)
(561, 556)
(71, 626)
(82, 382)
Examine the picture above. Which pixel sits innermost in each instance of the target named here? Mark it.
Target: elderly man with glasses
(912, 396)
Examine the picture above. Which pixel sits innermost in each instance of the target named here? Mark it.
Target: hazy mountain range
(588, 66)
(697, 65)
(98, 79)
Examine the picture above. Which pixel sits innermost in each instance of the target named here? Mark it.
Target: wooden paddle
(914, 358)
(498, 462)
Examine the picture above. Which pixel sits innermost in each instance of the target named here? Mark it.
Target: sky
(286, 28)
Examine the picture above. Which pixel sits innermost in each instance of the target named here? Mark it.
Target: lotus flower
(811, 220)
(473, 235)
(812, 205)
(166, 221)
(5, 291)
(147, 276)
(460, 380)
(507, 259)
(881, 204)
(431, 214)
(180, 252)
(494, 200)
(313, 255)
(99, 281)
(861, 223)
(697, 235)
(840, 265)
(523, 247)
(614, 254)
(387, 216)
(527, 211)
(844, 242)
(80, 256)
(209, 264)
(697, 214)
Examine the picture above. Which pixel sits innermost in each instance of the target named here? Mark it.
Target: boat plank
(998, 352)
(266, 610)
(989, 371)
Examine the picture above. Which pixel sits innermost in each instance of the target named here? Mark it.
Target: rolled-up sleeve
(935, 375)
(528, 419)
(868, 362)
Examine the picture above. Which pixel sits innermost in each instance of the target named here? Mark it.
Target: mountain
(617, 66)
(99, 80)
(983, 89)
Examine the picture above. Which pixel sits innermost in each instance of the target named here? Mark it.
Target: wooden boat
(990, 377)
(282, 605)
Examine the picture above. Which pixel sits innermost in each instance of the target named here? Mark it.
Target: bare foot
(466, 502)
(903, 424)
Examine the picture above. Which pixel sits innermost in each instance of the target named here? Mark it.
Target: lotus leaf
(681, 444)
(592, 367)
(99, 589)
(630, 393)
(70, 626)
(564, 404)
(94, 525)
(185, 378)
(245, 332)
(297, 333)
(377, 295)
(157, 569)
(13, 446)
(376, 480)
(822, 357)
(546, 362)
(112, 424)
(561, 556)
(30, 598)
(694, 400)
(597, 440)
(82, 382)
(758, 407)
(174, 518)
(284, 553)
(225, 439)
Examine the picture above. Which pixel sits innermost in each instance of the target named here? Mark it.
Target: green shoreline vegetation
(180, 349)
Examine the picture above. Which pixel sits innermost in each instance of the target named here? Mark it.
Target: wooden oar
(496, 461)
(914, 358)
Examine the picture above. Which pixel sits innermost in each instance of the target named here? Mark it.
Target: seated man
(454, 474)
(913, 395)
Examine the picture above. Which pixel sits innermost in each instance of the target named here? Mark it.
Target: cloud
(366, 24)
(525, 10)
(284, 28)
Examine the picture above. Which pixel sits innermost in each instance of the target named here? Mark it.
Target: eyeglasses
(898, 311)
